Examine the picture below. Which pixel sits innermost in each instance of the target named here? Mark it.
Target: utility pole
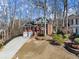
(45, 15)
(38, 7)
(14, 10)
(55, 14)
(31, 8)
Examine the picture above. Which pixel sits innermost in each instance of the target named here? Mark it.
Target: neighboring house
(74, 23)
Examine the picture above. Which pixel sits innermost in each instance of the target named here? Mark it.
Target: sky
(27, 8)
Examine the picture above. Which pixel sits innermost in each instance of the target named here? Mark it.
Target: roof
(27, 25)
(73, 16)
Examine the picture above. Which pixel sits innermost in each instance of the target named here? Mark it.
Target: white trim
(74, 25)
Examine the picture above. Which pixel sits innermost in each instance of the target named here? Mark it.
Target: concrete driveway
(10, 49)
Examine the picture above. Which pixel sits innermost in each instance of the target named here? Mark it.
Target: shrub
(76, 40)
(72, 37)
(77, 35)
(58, 38)
(1, 43)
(66, 37)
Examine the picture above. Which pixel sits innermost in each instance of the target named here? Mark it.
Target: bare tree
(14, 11)
(65, 20)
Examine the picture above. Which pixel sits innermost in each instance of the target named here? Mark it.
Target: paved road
(10, 49)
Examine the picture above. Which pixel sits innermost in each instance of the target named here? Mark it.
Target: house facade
(74, 23)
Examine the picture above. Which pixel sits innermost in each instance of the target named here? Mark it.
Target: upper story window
(77, 21)
(72, 22)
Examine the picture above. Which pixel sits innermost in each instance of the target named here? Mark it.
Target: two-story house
(74, 23)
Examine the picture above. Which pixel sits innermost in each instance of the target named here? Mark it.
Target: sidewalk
(10, 49)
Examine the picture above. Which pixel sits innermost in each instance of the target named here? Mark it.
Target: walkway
(10, 49)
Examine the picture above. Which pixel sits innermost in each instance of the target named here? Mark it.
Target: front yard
(42, 49)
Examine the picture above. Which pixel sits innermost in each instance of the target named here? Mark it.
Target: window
(77, 30)
(71, 21)
(76, 21)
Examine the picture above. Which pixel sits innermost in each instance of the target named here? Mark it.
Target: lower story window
(77, 30)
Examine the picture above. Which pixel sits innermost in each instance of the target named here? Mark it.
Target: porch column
(74, 23)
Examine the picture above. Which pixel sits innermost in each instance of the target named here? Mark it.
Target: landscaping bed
(70, 47)
(73, 45)
(59, 38)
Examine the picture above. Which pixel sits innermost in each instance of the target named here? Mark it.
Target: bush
(1, 45)
(76, 40)
(60, 32)
(58, 38)
(66, 37)
(72, 37)
(77, 35)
